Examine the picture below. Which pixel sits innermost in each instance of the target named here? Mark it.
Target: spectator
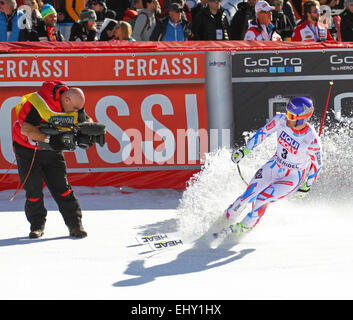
(85, 29)
(30, 19)
(145, 21)
(173, 27)
(131, 13)
(346, 25)
(62, 12)
(119, 7)
(45, 30)
(211, 23)
(310, 29)
(68, 10)
(261, 28)
(240, 20)
(281, 21)
(186, 9)
(297, 8)
(195, 10)
(102, 12)
(9, 16)
(289, 12)
(186, 12)
(36, 6)
(123, 31)
(106, 32)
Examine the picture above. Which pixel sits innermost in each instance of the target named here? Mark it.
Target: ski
(165, 244)
(164, 240)
(146, 239)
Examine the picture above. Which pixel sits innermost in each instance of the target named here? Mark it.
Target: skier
(298, 146)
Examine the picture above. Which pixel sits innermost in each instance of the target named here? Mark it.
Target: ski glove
(304, 188)
(62, 141)
(237, 155)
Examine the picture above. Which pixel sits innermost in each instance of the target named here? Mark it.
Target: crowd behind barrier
(176, 20)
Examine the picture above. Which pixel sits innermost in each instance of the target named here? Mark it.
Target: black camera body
(82, 135)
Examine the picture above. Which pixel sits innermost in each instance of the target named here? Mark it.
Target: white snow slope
(301, 249)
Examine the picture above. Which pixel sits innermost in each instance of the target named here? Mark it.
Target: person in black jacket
(102, 11)
(281, 21)
(85, 28)
(172, 27)
(119, 7)
(347, 22)
(195, 10)
(240, 20)
(211, 23)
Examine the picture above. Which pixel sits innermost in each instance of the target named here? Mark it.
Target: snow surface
(301, 249)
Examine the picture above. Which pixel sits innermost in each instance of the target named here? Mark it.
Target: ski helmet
(300, 109)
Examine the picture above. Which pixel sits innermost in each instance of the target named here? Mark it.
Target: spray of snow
(218, 184)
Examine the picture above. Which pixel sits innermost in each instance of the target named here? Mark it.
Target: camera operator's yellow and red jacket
(46, 101)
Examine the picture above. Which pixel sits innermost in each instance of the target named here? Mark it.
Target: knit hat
(47, 10)
(87, 15)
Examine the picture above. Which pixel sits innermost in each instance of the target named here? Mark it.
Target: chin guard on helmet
(300, 109)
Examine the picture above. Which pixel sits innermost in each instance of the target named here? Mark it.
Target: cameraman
(39, 156)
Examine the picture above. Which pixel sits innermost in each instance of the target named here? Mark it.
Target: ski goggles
(291, 116)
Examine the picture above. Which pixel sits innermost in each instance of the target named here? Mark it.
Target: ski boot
(238, 228)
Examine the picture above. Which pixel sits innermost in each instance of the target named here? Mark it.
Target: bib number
(284, 153)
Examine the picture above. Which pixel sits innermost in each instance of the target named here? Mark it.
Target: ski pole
(322, 123)
(324, 115)
(241, 176)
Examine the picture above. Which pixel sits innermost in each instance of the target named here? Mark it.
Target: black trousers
(49, 166)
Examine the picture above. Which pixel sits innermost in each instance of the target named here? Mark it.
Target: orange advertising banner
(101, 67)
(153, 106)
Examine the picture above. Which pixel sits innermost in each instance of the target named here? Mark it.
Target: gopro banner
(263, 81)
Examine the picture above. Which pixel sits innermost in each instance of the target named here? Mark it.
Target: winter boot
(36, 232)
(77, 232)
